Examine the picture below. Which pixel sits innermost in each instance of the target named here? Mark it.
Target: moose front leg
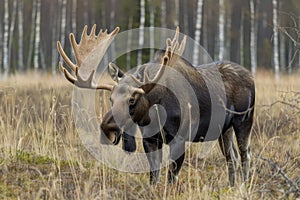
(153, 152)
(129, 144)
(177, 152)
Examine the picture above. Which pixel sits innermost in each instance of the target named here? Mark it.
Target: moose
(134, 95)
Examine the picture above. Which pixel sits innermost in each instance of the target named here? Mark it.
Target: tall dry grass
(41, 154)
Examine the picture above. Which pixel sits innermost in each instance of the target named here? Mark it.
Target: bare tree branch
(281, 172)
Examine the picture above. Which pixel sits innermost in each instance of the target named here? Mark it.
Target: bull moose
(133, 95)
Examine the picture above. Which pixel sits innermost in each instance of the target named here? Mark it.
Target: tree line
(254, 33)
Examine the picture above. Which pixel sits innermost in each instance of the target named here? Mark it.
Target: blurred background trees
(254, 33)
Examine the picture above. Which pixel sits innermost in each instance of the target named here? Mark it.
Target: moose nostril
(131, 110)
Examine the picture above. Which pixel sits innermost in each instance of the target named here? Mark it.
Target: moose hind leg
(242, 129)
(229, 151)
(153, 152)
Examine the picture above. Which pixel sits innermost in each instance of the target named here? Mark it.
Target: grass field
(42, 157)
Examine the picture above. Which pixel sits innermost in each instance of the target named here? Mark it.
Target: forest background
(254, 33)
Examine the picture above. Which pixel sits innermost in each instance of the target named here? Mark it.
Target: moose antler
(88, 54)
(173, 50)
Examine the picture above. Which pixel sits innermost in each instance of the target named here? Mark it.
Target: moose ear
(115, 72)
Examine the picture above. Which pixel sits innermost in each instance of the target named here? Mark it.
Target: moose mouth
(114, 136)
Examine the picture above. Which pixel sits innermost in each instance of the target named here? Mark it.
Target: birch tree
(275, 38)
(141, 31)
(5, 39)
(253, 39)
(37, 35)
(129, 42)
(176, 17)
(221, 29)
(198, 33)
(20, 37)
(151, 29)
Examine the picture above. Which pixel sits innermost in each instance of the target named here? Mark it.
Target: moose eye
(131, 101)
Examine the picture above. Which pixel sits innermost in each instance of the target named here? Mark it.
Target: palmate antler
(88, 54)
(173, 51)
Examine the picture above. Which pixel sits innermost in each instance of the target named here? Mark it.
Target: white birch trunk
(221, 29)
(242, 39)
(275, 32)
(37, 35)
(20, 38)
(253, 39)
(32, 33)
(151, 29)
(129, 42)
(141, 32)
(198, 33)
(5, 39)
(176, 17)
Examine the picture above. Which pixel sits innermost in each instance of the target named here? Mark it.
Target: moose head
(130, 93)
